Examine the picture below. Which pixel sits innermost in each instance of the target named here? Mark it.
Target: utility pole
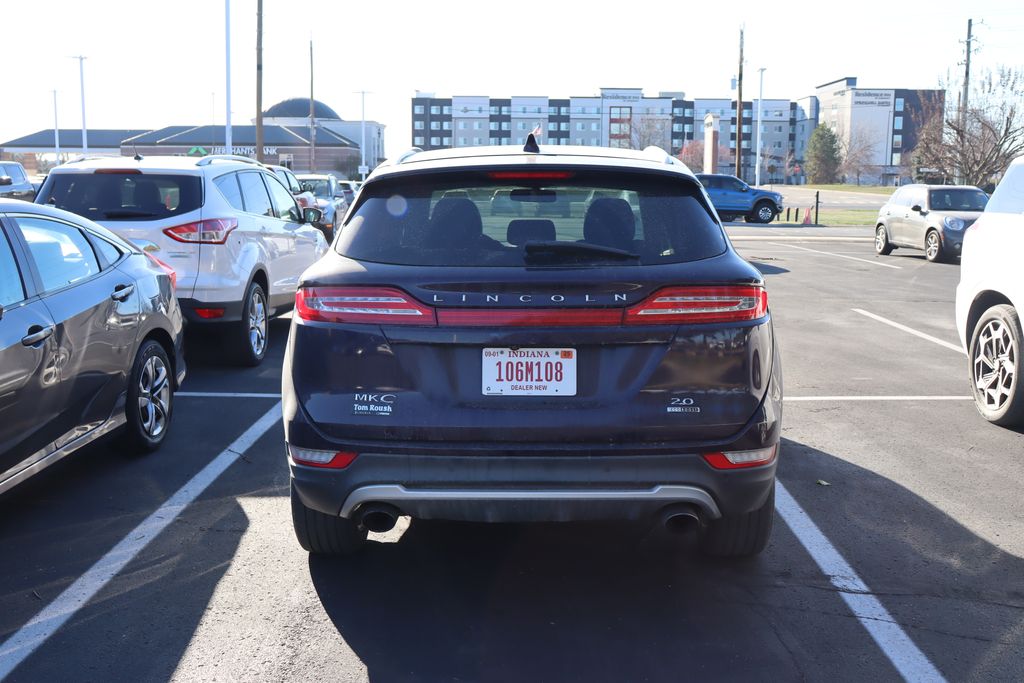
(312, 123)
(362, 133)
(739, 113)
(56, 128)
(81, 85)
(967, 75)
(760, 97)
(228, 146)
(259, 80)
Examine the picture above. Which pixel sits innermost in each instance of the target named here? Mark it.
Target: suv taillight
(209, 231)
(379, 305)
(684, 305)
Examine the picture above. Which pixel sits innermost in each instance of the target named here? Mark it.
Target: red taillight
(529, 175)
(119, 171)
(171, 273)
(336, 460)
(209, 231)
(734, 460)
(209, 313)
(544, 317)
(682, 305)
(379, 305)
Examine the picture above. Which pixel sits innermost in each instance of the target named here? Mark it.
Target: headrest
(521, 231)
(610, 223)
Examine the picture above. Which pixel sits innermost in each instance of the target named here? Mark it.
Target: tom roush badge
(373, 404)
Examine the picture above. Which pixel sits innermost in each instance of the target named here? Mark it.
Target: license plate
(529, 372)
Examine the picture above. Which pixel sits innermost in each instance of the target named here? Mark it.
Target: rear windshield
(321, 188)
(123, 196)
(957, 200)
(512, 218)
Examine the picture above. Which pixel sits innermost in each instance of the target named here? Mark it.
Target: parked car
(990, 302)
(349, 189)
(928, 217)
(330, 199)
(90, 340)
(232, 232)
(14, 182)
(517, 373)
(305, 198)
(733, 198)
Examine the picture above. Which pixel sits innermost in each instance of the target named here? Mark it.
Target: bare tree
(976, 144)
(649, 130)
(857, 154)
(692, 154)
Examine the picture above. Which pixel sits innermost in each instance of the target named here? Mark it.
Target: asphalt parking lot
(897, 549)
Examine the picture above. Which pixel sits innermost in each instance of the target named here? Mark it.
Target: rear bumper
(232, 310)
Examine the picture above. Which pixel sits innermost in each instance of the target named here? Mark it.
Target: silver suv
(928, 217)
(231, 231)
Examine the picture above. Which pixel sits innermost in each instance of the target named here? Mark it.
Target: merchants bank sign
(244, 151)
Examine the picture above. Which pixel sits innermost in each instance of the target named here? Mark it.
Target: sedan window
(11, 288)
(255, 194)
(62, 254)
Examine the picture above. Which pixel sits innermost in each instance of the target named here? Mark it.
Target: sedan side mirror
(6, 180)
(311, 215)
(916, 207)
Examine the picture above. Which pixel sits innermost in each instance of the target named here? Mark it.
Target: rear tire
(727, 217)
(883, 247)
(249, 335)
(740, 535)
(995, 366)
(322, 534)
(150, 399)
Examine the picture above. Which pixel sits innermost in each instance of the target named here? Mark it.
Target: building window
(520, 141)
(478, 141)
(688, 128)
(899, 104)
(506, 109)
(435, 109)
(495, 109)
(564, 111)
(595, 126)
(462, 142)
(580, 125)
(552, 125)
(746, 144)
(417, 109)
(494, 125)
(506, 125)
(746, 128)
(478, 125)
(677, 128)
(447, 142)
(418, 140)
(677, 111)
(286, 160)
(462, 125)
(418, 125)
(897, 123)
(446, 125)
(595, 142)
(897, 141)
(896, 158)
(564, 125)
(435, 125)
(778, 129)
(552, 111)
(677, 142)
(435, 141)
(778, 144)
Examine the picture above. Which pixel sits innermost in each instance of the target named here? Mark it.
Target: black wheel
(740, 535)
(995, 359)
(322, 534)
(883, 247)
(727, 217)
(763, 212)
(250, 333)
(933, 246)
(150, 399)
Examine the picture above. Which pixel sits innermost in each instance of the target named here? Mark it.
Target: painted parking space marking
(851, 258)
(224, 394)
(807, 399)
(910, 330)
(904, 654)
(29, 637)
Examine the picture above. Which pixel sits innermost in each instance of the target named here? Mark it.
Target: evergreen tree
(823, 156)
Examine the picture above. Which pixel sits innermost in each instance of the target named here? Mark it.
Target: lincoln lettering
(479, 299)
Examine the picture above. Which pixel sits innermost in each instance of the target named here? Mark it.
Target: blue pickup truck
(732, 198)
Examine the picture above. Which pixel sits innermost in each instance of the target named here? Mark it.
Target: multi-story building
(878, 125)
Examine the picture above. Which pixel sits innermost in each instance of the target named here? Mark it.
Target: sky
(154, 64)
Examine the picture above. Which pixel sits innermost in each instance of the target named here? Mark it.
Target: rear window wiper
(578, 249)
(128, 213)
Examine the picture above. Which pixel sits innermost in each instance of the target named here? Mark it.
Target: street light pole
(228, 146)
(81, 85)
(757, 157)
(56, 128)
(362, 133)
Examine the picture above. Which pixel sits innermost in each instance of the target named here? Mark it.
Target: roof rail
(210, 158)
(404, 156)
(656, 153)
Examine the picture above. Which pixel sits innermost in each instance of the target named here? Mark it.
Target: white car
(990, 302)
(231, 231)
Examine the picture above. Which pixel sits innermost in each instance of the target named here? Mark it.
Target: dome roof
(298, 107)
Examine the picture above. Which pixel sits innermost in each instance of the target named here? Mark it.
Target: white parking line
(223, 394)
(851, 258)
(910, 330)
(804, 399)
(912, 664)
(34, 633)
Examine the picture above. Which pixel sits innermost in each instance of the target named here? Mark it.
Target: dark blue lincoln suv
(612, 361)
